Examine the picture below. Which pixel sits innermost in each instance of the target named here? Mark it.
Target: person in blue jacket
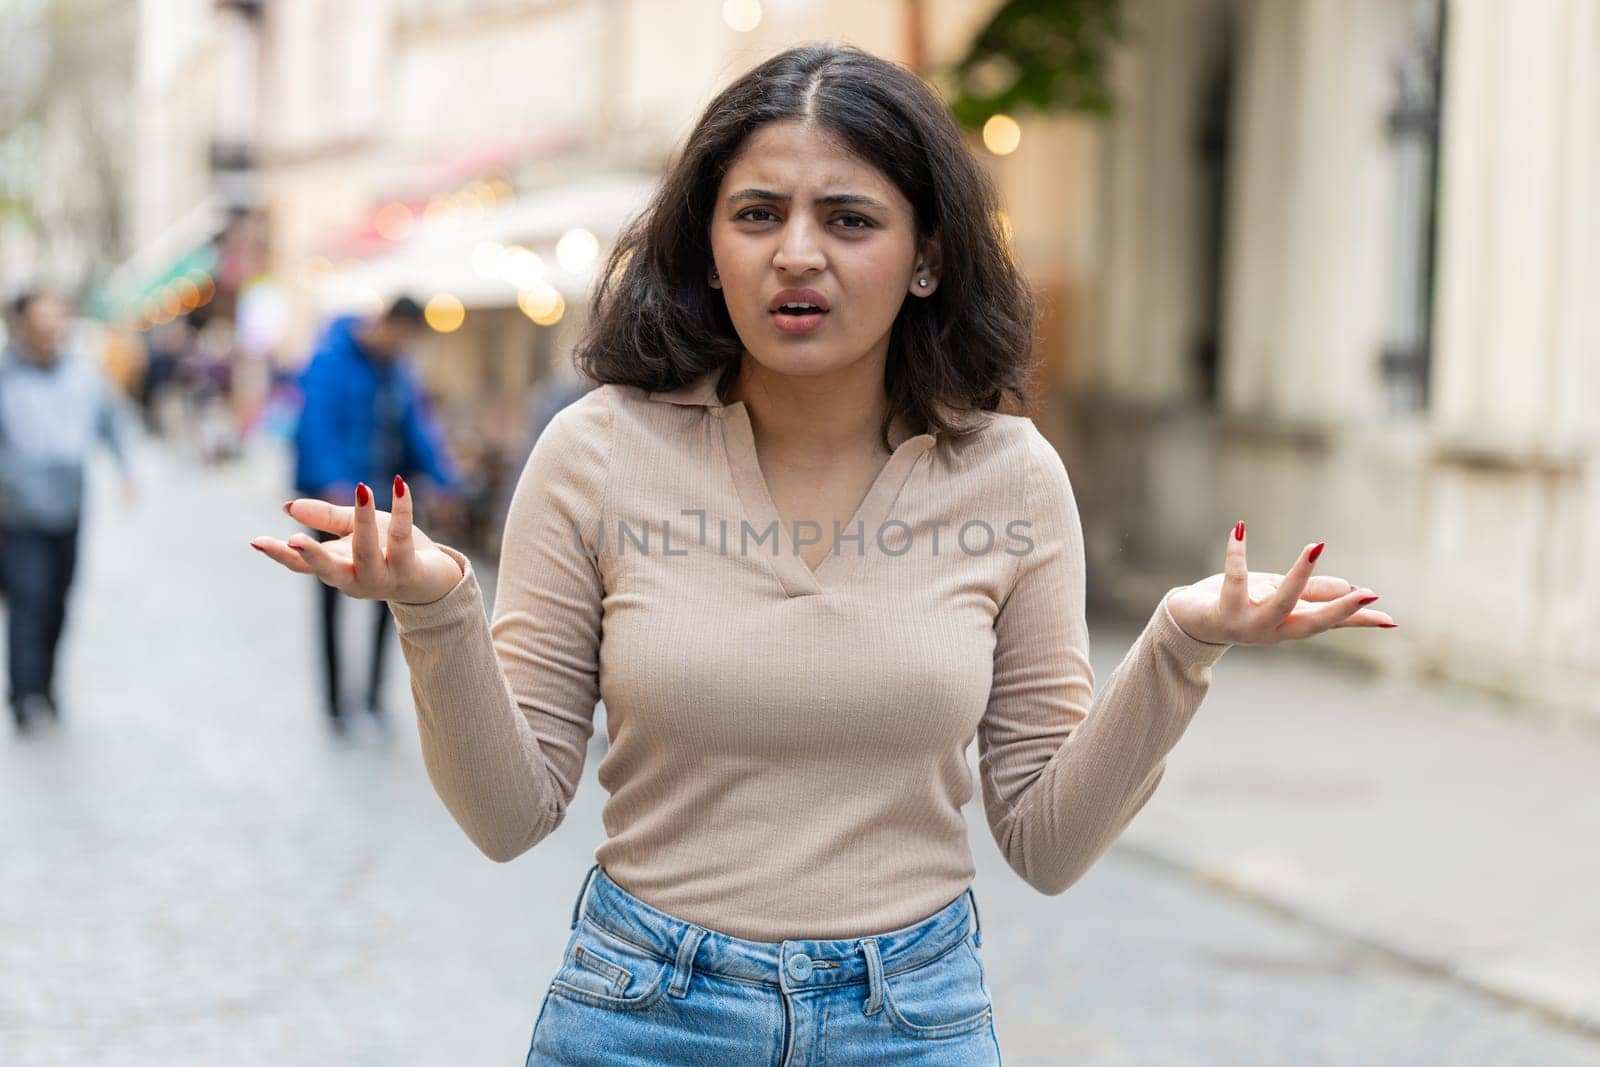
(364, 420)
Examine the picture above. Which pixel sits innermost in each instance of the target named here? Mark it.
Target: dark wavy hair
(658, 325)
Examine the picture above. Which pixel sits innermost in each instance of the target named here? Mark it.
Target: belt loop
(977, 926)
(683, 969)
(578, 905)
(869, 947)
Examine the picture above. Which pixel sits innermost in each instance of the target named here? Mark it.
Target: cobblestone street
(195, 870)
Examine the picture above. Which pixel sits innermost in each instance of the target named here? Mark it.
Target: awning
(194, 266)
(185, 249)
(464, 255)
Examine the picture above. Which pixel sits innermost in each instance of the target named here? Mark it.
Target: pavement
(1444, 826)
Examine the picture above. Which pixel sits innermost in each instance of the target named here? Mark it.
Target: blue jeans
(639, 987)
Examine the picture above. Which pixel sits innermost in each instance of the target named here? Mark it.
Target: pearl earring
(714, 273)
(923, 282)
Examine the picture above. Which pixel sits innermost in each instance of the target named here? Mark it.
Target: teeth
(801, 306)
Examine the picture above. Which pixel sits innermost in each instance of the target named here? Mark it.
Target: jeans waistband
(791, 965)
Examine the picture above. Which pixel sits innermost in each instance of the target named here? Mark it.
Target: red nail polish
(1315, 552)
(399, 487)
(1238, 530)
(257, 547)
(1388, 625)
(1366, 600)
(287, 504)
(363, 494)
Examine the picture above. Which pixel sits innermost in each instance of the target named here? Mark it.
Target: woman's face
(796, 211)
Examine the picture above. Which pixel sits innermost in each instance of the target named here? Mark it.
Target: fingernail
(399, 487)
(1238, 530)
(1366, 600)
(1388, 625)
(363, 494)
(1315, 552)
(287, 504)
(257, 547)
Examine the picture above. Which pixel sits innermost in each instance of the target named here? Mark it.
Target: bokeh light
(539, 301)
(489, 259)
(576, 250)
(522, 267)
(394, 221)
(188, 293)
(741, 15)
(1001, 135)
(444, 313)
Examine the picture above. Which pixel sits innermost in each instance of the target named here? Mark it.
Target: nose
(798, 251)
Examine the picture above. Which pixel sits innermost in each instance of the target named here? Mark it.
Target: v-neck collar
(739, 448)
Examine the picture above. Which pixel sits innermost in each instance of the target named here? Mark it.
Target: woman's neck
(814, 417)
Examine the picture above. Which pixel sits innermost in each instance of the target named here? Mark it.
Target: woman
(804, 557)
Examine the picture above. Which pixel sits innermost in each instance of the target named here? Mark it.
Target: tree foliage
(1039, 55)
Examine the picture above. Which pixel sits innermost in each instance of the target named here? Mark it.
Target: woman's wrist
(442, 573)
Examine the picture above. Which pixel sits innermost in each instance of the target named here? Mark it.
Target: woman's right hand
(379, 556)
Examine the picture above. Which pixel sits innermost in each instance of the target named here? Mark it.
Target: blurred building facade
(65, 111)
(1325, 268)
(1338, 281)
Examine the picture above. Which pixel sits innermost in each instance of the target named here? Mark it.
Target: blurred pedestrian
(216, 435)
(54, 403)
(364, 421)
(168, 344)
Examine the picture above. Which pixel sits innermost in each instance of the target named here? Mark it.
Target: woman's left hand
(1244, 607)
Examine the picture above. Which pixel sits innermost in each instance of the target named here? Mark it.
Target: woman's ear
(926, 271)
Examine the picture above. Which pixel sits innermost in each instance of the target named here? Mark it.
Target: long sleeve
(505, 708)
(1065, 769)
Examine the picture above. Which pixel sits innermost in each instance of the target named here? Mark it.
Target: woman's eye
(856, 222)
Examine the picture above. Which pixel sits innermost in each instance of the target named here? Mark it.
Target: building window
(1412, 125)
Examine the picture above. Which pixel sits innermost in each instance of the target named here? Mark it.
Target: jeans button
(800, 967)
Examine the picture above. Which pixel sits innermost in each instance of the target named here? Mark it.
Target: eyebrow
(851, 199)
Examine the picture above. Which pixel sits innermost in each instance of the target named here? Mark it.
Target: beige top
(787, 751)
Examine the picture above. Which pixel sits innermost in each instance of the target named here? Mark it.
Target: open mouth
(798, 319)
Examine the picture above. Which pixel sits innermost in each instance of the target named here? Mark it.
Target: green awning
(197, 262)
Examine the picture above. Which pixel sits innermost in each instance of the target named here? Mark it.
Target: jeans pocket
(947, 997)
(609, 971)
